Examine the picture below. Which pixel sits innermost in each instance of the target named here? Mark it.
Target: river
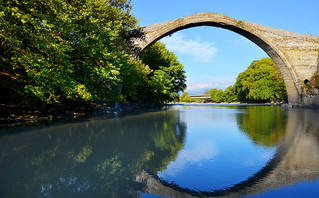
(184, 151)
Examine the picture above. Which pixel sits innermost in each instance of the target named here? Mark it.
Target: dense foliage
(166, 79)
(54, 51)
(217, 95)
(261, 82)
(65, 49)
(185, 97)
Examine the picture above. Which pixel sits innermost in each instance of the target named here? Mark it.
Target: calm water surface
(186, 151)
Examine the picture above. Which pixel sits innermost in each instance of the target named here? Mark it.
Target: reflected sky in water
(217, 154)
(186, 151)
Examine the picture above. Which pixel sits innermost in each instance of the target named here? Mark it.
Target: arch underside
(273, 52)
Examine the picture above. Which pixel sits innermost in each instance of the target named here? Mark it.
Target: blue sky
(213, 57)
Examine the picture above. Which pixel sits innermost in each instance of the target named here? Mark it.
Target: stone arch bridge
(296, 55)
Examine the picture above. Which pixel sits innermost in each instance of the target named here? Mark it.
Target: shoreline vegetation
(261, 82)
(225, 103)
(65, 58)
(56, 63)
(30, 118)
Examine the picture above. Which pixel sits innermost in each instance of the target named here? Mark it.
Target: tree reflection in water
(120, 157)
(93, 158)
(264, 125)
(295, 162)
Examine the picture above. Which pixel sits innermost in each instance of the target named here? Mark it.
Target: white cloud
(202, 51)
(199, 88)
(205, 150)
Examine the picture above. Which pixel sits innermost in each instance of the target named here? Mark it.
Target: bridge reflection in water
(296, 160)
(120, 156)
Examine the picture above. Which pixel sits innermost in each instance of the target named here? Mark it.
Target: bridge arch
(268, 39)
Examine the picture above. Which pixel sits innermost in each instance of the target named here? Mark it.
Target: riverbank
(19, 115)
(224, 103)
(22, 115)
(15, 115)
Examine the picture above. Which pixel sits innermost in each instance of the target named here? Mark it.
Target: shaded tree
(52, 51)
(166, 79)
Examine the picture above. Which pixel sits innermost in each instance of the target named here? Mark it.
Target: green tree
(230, 94)
(57, 50)
(135, 77)
(185, 97)
(261, 82)
(166, 79)
(217, 95)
